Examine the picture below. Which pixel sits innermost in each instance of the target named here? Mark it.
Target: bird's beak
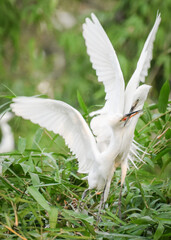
(129, 115)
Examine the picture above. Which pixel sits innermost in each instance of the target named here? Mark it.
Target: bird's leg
(119, 203)
(124, 166)
(82, 198)
(102, 200)
(101, 204)
(106, 191)
(84, 193)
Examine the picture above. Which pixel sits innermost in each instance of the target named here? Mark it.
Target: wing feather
(142, 66)
(62, 119)
(105, 62)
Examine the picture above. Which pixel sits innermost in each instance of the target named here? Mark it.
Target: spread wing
(62, 119)
(142, 66)
(105, 62)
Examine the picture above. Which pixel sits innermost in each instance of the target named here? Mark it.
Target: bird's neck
(114, 146)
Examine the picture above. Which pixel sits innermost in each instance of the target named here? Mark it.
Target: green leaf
(119, 236)
(37, 137)
(82, 103)
(39, 198)
(2, 106)
(53, 215)
(149, 161)
(7, 164)
(31, 164)
(9, 185)
(141, 189)
(143, 220)
(35, 179)
(79, 215)
(116, 218)
(21, 144)
(159, 231)
(168, 134)
(89, 227)
(163, 97)
(25, 167)
(158, 124)
(162, 153)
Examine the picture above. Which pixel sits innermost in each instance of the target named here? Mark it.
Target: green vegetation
(40, 189)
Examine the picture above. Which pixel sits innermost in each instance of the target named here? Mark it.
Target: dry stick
(161, 148)
(15, 213)
(158, 137)
(11, 230)
(17, 189)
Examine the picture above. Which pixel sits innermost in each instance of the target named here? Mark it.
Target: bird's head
(130, 118)
(140, 97)
(127, 117)
(119, 120)
(137, 104)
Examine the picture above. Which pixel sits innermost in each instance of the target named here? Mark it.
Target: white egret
(110, 143)
(105, 62)
(7, 139)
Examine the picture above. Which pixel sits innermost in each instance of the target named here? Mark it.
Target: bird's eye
(134, 105)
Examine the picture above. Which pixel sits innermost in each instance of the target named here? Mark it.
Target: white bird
(107, 67)
(7, 139)
(110, 142)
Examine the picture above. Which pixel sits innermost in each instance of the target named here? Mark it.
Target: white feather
(142, 66)
(105, 62)
(7, 140)
(62, 119)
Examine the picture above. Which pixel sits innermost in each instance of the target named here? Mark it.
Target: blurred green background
(42, 50)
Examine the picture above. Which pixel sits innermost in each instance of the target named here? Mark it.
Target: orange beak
(127, 116)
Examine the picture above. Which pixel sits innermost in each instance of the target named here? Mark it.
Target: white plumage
(7, 139)
(118, 100)
(142, 66)
(105, 62)
(109, 143)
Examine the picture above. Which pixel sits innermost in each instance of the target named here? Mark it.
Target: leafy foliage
(164, 95)
(41, 192)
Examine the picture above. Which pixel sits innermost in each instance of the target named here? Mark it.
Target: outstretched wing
(62, 119)
(105, 62)
(142, 66)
